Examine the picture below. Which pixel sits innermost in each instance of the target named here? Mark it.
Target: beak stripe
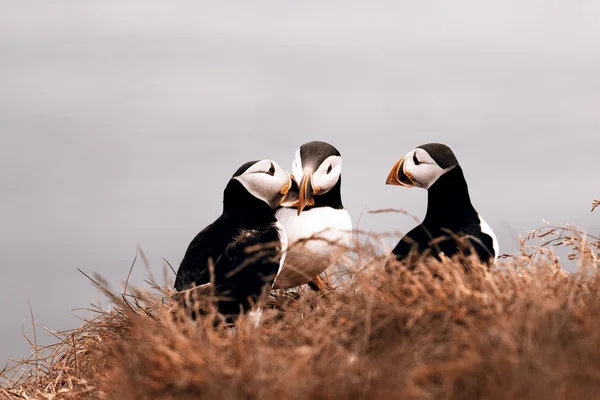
(306, 191)
(398, 175)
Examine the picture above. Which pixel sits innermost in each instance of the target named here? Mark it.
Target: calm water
(122, 121)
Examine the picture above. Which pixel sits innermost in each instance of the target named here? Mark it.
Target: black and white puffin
(248, 220)
(317, 215)
(450, 214)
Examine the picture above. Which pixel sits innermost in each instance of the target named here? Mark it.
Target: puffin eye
(271, 170)
(329, 168)
(416, 160)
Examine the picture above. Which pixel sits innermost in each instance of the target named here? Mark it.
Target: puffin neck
(448, 198)
(239, 202)
(332, 198)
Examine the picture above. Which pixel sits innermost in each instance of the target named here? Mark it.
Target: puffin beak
(398, 175)
(285, 189)
(307, 191)
(290, 198)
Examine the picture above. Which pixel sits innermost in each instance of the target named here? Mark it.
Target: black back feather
(240, 273)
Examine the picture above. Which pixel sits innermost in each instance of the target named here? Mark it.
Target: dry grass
(525, 329)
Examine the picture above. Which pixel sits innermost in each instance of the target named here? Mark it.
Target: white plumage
(318, 227)
(330, 231)
(485, 228)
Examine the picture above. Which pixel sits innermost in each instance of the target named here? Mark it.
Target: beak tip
(391, 179)
(306, 191)
(394, 175)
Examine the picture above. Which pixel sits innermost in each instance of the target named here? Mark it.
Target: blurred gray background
(121, 122)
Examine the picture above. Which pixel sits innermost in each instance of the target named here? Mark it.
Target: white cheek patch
(423, 156)
(262, 185)
(325, 180)
(427, 172)
(260, 166)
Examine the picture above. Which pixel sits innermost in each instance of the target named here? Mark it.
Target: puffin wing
(250, 260)
(414, 241)
(206, 247)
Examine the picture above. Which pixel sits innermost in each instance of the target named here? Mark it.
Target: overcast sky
(121, 121)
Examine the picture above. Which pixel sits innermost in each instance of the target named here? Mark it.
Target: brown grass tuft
(526, 329)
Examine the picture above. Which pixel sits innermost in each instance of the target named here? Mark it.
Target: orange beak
(307, 191)
(286, 188)
(399, 176)
(289, 192)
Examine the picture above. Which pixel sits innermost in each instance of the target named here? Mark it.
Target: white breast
(322, 222)
(485, 228)
(329, 231)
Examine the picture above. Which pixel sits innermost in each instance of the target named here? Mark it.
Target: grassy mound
(525, 329)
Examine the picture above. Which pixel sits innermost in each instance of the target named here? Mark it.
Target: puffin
(451, 225)
(318, 227)
(244, 249)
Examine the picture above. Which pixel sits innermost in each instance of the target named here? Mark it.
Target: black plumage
(240, 272)
(450, 217)
(451, 225)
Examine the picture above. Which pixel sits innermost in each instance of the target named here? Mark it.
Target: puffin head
(317, 167)
(423, 166)
(264, 180)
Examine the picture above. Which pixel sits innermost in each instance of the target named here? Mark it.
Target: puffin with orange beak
(450, 213)
(245, 246)
(318, 227)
